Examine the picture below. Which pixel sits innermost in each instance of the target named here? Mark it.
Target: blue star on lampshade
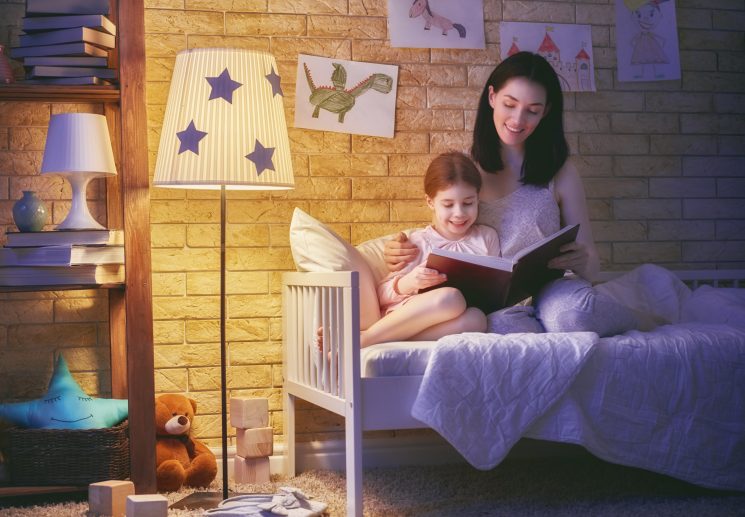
(274, 80)
(65, 406)
(223, 86)
(262, 158)
(190, 138)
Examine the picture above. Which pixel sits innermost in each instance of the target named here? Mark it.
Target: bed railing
(329, 302)
(331, 379)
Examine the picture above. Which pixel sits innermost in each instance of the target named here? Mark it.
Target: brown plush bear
(180, 460)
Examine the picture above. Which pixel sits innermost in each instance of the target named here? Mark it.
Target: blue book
(78, 48)
(71, 71)
(45, 23)
(66, 61)
(72, 35)
(67, 6)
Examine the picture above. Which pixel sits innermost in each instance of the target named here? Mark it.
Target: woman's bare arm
(582, 255)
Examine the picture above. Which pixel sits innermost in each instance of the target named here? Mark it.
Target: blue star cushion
(65, 406)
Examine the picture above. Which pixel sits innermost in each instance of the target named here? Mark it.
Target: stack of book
(66, 42)
(62, 258)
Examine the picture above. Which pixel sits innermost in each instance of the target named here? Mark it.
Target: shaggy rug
(552, 487)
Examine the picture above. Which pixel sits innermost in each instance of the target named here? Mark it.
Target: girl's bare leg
(443, 311)
(472, 320)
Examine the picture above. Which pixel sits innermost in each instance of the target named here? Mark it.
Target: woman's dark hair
(448, 169)
(546, 149)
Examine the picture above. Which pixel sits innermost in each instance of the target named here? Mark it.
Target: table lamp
(78, 147)
(224, 128)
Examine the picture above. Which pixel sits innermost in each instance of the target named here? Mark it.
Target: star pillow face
(65, 406)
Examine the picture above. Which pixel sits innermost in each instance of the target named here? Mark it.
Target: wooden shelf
(128, 207)
(58, 93)
(68, 287)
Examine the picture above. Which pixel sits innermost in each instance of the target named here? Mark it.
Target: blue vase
(29, 212)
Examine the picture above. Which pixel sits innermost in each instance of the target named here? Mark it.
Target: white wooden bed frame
(331, 301)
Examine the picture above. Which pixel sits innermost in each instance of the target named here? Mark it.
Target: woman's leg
(423, 312)
(573, 304)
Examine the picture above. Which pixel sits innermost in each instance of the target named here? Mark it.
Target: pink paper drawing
(422, 8)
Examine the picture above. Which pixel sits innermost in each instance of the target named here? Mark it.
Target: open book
(491, 283)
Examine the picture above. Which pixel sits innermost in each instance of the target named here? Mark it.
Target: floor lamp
(224, 128)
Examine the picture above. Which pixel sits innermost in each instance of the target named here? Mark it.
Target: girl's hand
(418, 278)
(574, 256)
(398, 252)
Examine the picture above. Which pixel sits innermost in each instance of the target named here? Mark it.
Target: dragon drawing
(338, 99)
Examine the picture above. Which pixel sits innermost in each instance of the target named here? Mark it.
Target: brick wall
(663, 165)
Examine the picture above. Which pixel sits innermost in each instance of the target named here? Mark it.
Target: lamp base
(203, 500)
(79, 217)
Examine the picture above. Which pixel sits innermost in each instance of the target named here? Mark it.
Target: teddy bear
(180, 459)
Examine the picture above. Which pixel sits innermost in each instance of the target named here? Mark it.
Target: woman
(530, 190)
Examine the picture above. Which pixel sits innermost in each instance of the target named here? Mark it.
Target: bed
(670, 400)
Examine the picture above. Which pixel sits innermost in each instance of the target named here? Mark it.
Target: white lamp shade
(224, 123)
(78, 143)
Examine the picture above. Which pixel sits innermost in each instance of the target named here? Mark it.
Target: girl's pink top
(480, 240)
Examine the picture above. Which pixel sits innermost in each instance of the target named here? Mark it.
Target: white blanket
(671, 400)
(482, 391)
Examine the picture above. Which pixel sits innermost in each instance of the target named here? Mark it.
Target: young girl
(451, 185)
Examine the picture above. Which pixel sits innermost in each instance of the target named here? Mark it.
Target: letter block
(248, 413)
(254, 443)
(250, 470)
(147, 505)
(109, 497)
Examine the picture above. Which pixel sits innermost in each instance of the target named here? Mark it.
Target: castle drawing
(574, 75)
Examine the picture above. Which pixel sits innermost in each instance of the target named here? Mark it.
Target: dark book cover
(44, 23)
(70, 71)
(88, 61)
(83, 80)
(72, 35)
(492, 283)
(65, 49)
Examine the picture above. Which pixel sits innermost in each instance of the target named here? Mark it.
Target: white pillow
(710, 304)
(372, 250)
(317, 248)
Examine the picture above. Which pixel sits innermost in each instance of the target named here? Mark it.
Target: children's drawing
(646, 40)
(422, 8)
(336, 98)
(436, 23)
(323, 101)
(567, 47)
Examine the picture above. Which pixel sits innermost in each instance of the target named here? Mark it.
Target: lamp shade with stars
(224, 123)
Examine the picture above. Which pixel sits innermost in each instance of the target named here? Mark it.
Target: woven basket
(67, 456)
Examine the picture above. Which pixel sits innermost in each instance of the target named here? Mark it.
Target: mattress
(397, 358)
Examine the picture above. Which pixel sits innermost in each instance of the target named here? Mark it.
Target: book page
(482, 260)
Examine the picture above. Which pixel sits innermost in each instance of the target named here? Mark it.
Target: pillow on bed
(316, 247)
(372, 250)
(709, 304)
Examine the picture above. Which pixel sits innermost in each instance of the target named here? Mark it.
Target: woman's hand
(574, 256)
(418, 278)
(398, 252)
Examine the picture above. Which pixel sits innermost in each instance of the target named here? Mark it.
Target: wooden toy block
(254, 443)
(248, 413)
(109, 497)
(147, 505)
(250, 470)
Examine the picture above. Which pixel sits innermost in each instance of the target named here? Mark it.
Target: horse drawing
(421, 8)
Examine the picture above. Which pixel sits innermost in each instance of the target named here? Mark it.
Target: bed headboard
(696, 277)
